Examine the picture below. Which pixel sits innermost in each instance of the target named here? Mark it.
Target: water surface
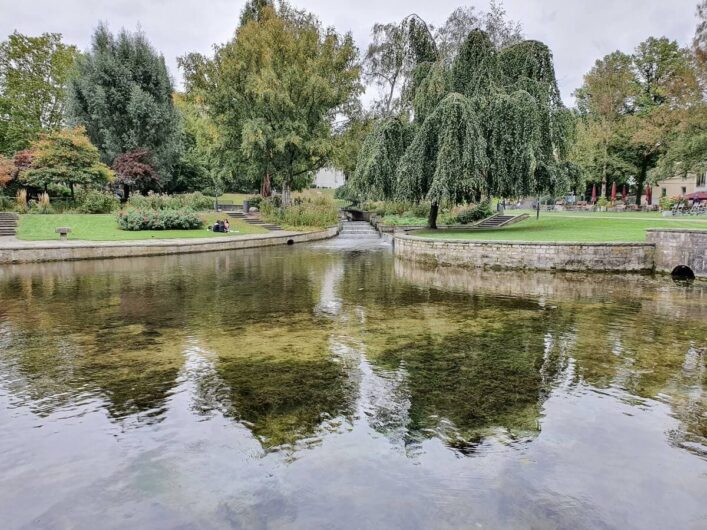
(330, 386)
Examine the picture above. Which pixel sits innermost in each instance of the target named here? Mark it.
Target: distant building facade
(678, 186)
(329, 178)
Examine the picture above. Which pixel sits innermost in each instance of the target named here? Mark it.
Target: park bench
(63, 232)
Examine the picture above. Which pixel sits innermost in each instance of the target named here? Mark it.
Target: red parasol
(697, 196)
(594, 193)
(613, 192)
(649, 195)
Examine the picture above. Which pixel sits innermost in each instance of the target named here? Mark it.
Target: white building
(329, 178)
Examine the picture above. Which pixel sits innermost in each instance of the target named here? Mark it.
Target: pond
(331, 386)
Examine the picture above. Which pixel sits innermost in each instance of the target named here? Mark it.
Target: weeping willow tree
(374, 177)
(446, 161)
(492, 123)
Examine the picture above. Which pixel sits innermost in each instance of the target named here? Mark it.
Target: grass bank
(105, 228)
(571, 227)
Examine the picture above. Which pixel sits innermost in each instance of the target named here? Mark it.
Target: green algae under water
(334, 387)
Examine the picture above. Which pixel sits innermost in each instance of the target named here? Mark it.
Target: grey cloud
(578, 31)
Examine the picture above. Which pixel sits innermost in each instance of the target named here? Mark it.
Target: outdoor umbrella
(624, 194)
(649, 195)
(594, 193)
(613, 192)
(697, 196)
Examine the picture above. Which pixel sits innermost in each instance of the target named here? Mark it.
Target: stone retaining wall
(497, 255)
(680, 247)
(42, 251)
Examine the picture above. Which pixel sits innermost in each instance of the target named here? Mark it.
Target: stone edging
(42, 251)
(527, 255)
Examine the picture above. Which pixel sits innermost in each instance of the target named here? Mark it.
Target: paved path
(7, 243)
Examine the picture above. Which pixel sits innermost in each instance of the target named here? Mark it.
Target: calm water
(330, 386)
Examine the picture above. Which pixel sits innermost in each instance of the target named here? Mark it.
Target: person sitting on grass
(226, 226)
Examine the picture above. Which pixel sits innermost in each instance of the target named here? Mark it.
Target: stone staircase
(252, 220)
(498, 221)
(358, 230)
(8, 224)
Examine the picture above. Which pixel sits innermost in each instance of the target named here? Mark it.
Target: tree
(397, 49)
(492, 122)
(33, 76)
(122, 95)
(687, 144)
(447, 159)
(631, 107)
(374, 177)
(348, 143)
(453, 33)
(66, 157)
(275, 91)
(7, 171)
(699, 44)
(133, 170)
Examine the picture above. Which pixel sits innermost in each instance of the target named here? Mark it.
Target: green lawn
(586, 227)
(105, 228)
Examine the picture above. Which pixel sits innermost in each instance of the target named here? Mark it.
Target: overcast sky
(577, 31)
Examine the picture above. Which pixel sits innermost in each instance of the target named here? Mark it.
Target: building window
(663, 192)
(701, 180)
(684, 190)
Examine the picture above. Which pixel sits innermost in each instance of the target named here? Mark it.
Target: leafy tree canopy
(33, 75)
(65, 157)
(122, 95)
(275, 90)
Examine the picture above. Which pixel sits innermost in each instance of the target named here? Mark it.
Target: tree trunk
(432, 219)
(266, 187)
(537, 206)
(126, 192)
(71, 187)
(285, 194)
(641, 184)
(603, 187)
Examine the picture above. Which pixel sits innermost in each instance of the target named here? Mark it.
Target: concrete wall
(680, 247)
(600, 257)
(42, 251)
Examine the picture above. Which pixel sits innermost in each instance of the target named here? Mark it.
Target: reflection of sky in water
(329, 386)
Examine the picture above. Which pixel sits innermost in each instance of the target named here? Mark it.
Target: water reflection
(331, 351)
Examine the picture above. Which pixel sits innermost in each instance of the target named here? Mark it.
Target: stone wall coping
(525, 243)
(679, 230)
(45, 251)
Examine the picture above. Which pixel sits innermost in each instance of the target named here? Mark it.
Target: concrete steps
(496, 221)
(252, 220)
(8, 224)
(358, 230)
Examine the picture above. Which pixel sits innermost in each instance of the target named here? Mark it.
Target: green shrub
(311, 212)
(6, 203)
(603, 202)
(255, 201)
(94, 201)
(472, 214)
(161, 201)
(135, 219)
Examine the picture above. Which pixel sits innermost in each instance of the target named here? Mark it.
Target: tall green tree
(122, 95)
(65, 157)
(34, 72)
(446, 161)
(275, 90)
(490, 123)
(631, 108)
